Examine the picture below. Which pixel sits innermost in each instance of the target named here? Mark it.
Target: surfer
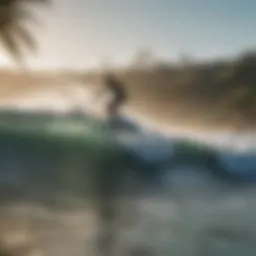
(118, 93)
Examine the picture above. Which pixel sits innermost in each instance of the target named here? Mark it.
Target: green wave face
(67, 152)
(74, 153)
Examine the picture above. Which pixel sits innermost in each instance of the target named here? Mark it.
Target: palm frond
(25, 36)
(42, 2)
(26, 15)
(9, 41)
(13, 30)
(5, 3)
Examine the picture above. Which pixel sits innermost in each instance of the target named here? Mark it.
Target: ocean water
(173, 196)
(181, 194)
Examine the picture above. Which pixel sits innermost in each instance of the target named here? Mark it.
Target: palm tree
(14, 15)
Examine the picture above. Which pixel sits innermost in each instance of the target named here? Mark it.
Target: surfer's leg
(118, 104)
(113, 108)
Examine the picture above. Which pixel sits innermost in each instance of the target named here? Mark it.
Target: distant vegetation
(208, 94)
(212, 94)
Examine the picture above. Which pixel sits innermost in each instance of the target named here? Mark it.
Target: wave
(72, 137)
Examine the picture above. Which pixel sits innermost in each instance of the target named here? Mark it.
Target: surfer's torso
(119, 95)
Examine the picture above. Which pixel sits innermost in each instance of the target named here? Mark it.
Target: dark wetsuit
(117, 89)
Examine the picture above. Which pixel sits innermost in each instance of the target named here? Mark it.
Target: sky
(88, 33)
